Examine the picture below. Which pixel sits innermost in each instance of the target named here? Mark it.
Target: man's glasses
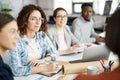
(37, 20)
(65, 16)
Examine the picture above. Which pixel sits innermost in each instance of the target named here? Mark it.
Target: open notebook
(59, 68)
(49, 74)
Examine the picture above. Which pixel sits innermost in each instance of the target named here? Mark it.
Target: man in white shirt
(82, 27)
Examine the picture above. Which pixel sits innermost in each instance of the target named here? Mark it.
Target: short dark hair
(112, 38)
(86, 5)
(4, 19)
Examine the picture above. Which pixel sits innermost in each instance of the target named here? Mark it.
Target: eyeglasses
(34, 19)
(65, 16)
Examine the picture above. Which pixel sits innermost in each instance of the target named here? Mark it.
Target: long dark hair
(24, 15)
(112, 33)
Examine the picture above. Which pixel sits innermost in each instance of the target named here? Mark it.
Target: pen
(110, 65)
(109, 62)
(49, 62)
(103, 65)
(102, 61)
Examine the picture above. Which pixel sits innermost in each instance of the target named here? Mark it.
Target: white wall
(67, 4)
(50, 5)
(100, 4)
(114, 5)
(82, 0)
(47, 5)
(16, 5)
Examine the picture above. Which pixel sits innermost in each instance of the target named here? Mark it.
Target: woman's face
(34, 21)
(9, 36)
(61, 18)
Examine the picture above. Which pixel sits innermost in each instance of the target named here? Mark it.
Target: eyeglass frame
(36, 19)
(59, 16)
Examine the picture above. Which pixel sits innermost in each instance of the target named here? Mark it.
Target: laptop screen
(95, 53)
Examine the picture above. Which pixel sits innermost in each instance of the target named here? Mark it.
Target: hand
(73, 49)
(70, 50)
(51, 67)
(78, 44)
(36, 62)
(100, 39)
(88, 44)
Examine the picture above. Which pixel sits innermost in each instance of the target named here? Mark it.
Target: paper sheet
(102, 34)
(70, 57)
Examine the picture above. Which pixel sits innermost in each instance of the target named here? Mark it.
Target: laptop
(94, 53)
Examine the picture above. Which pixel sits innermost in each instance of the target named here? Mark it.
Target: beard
(87, 19)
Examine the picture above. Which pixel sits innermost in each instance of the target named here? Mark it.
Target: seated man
(82, 27)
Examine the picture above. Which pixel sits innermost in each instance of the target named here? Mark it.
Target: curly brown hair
(24, 15)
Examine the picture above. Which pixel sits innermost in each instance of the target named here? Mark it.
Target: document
(59, 68)
(102, 34)
(70, 57)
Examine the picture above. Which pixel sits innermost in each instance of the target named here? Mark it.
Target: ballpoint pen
(105, 67)
(49, 62)
(103, 64)
(46, 62)
(110, 64)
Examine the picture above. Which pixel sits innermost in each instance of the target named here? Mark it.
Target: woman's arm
(51, 49)
(70, 50)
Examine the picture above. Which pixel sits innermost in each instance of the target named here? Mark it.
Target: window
(76, 7)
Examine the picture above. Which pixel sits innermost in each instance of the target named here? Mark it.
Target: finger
(38, 64)
(33, 64)
(56, 66)
(30, 63)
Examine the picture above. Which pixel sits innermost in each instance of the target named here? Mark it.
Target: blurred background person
(83, 26)
(61, 35)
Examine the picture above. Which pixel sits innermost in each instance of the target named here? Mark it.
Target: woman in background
(60, 33)
(34, 47)
(8, 39)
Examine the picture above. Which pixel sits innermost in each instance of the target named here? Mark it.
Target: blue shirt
(19, 57)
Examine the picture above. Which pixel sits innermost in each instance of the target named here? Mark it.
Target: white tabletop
(69, 57)
(36, 76)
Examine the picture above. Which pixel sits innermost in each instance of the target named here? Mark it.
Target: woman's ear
(54, 19)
